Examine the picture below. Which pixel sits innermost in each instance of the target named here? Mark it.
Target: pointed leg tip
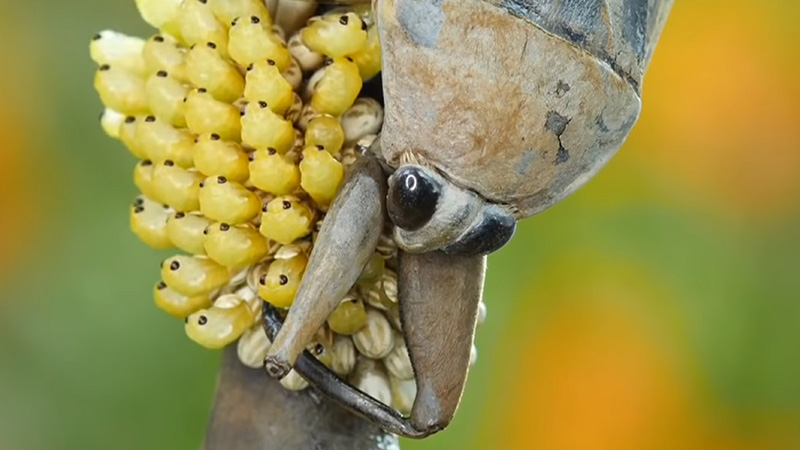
(276, 367)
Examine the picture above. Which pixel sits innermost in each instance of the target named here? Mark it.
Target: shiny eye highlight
(413, 197)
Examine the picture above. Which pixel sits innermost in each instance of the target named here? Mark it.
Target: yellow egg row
(170, 182)
(223, 229)
(134, 73)
(211, 108)
(151, 137)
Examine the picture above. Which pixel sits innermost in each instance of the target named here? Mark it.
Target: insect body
(360, 208)
(494, 111)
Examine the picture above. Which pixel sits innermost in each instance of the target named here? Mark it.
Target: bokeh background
(658, 308)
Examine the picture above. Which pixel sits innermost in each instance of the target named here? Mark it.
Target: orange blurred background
(657, 308)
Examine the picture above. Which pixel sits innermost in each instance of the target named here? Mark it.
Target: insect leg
(345, 243)
(340, 391)
(439, 296)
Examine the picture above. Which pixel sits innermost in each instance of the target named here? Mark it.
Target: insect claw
(276, 367)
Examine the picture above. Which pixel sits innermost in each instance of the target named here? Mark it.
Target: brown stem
(251, 411)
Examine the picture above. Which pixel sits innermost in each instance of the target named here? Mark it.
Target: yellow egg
(325, 131)
(121, 90)
(143, 178)
(274, 173)
(193, 275)
(364, 118)
(176, 186)
(216, 327)
(338, 88)
(403, 394)
(253, 347)
(118, 50)
(320, 175)
(206, 67)
(176, 304)
(228, 10)
(162, 52)
(322, 349)
(376, 339)
(398, 362)
(227, 201)
(344, 356)
(286, 219)
(295, 110)
(308, 59)
(111, 121)
(205, 115)
(252, 40)
(235, 246)
(198, 25)
(294, 382)
(349, 317)
(278, 31)
(262, 128)
(213, 156)
(293, 74)
(368, 59)
(161, 14)
(307, 114)
(279, 284)
(161, 141)
(149, 222)
(185, 231)
(128, 135)
(165, 96)
(313, 82)
(336, 35)
(265, 83)
(373, 271)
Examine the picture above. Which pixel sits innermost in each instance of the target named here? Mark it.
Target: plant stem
(251, 411)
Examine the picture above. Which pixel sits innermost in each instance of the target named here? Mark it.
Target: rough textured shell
(554, 97)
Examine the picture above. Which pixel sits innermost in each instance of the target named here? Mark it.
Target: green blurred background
(658, 308)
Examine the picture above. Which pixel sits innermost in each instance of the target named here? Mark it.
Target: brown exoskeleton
(494, 111)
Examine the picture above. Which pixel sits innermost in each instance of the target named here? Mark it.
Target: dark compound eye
(413, 196)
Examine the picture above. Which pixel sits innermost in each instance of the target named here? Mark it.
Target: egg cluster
(243, 136)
